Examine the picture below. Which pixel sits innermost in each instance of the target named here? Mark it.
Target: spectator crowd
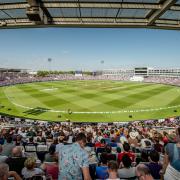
(142, 150)
(60, 77)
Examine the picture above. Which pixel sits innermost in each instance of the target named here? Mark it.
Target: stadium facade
(8, 73)
(145, 72)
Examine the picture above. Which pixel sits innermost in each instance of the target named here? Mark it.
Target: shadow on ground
(36, 111)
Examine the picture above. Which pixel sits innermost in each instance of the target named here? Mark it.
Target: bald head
(143, 169)
(17, 152)
(143, 172)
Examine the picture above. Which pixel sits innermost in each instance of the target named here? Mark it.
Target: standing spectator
(172, 159)
(73, 160)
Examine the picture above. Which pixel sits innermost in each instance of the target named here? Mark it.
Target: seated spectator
(16, 161)
(55, 141)
(1, 139)
(144, 156)
(51, 169)
(143, 172)
(113, 142)
(31, 142)
(50, 156)
(118, 149)
(126, 170)
(123, 139)
(112, 170)
(157, 146)
(29, 170)
(18, 140)
(5, 173)
(126, 151)
(102, 170)
(109, 154)
(146, 143)
(2, 157)
(154, 166)
(89, 141)
(8, 146)
(132, 140)
(102, 143)
(165, 137)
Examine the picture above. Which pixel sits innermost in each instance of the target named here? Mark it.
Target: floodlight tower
(102, 63)
(49, 61)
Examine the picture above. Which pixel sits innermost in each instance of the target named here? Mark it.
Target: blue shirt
(174, 155)
(102, 172)
(71, 159)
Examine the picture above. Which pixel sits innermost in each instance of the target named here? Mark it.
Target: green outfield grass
(90, 101)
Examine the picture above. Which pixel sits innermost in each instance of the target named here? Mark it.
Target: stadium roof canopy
(163, 14)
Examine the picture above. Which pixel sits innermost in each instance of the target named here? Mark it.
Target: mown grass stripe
(134, 98)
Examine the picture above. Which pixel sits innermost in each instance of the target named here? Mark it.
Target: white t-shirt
(126, 172)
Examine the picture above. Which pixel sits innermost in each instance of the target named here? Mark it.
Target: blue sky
(84, 48)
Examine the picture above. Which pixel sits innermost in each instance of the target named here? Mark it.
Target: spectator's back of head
(31, 139)
(81, 137)
(17, 151)
(154, 156)
(52, 149)
(30, 163)
(142, 171)
(103, 141)
(126, 147)
(9, 139)
(112, 166)
(108, 148)
(126, 161)
(103, 158)
(118, 149)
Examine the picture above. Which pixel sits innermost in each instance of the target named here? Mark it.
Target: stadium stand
(142, 142)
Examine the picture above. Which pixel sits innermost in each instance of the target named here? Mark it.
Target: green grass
(90, 101)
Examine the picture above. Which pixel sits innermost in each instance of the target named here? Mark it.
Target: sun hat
(133, 134)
